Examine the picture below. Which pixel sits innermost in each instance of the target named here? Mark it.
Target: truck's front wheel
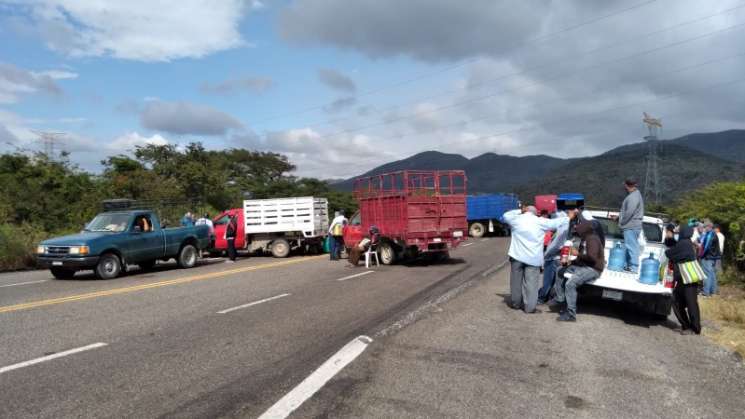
(280, 248)
(387, 253)
(109, 266)
(477, 230)
(187, 257)
(61, 273)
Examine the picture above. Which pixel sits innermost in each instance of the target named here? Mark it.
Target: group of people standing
(531, 251)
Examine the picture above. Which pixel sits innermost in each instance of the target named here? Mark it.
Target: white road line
(51, 357)
(483, 240)
(228, 310)
(355, 275)
(23, 283)
(305, 390)
(468, 244)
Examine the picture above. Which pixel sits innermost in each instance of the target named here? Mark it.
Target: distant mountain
(600, 178)
(480, 170)
(686, 163)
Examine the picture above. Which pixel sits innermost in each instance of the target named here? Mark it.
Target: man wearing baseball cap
(630, 222)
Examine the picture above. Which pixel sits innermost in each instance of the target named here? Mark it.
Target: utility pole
(652, 187)
(49, 140)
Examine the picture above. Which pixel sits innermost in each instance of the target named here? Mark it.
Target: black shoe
(566, 317)
(536, 311)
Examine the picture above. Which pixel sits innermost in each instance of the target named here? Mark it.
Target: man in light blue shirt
(526, 253)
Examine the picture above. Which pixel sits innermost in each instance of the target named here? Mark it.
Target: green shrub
(17, 245)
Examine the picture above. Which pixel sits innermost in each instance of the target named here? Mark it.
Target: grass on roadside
(728, 311)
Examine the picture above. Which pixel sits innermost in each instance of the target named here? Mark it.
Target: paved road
(186, 343)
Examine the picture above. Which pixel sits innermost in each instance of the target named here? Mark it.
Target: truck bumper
(85, 262)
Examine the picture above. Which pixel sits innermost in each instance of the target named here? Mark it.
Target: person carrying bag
(687, 273)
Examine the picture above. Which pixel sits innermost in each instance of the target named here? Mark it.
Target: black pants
(231, 248)
(685, 306)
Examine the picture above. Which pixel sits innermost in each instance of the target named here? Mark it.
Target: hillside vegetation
(42, 198)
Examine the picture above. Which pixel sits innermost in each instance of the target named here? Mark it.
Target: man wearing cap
(630, 222)
(526, 253)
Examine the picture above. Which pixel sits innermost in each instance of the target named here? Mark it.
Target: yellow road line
(116, 291)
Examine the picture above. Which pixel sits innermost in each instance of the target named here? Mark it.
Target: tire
(61, 273)
(387, 253)
(280, 248)
(477, 230)
(187, 257)
(441, 257)
(147, 265)
(109, 266)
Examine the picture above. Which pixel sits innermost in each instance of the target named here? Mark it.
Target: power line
(494, 94)
(49, 140)
(631, 105)
(544, 65)
(423, 76)
(561, 100)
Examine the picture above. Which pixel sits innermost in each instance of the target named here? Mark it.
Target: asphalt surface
(473, 357)
(162, 347)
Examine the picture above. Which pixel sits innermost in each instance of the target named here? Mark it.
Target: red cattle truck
(415, 211)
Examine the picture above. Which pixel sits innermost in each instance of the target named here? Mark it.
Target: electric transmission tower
(50, 140)
(652, 187)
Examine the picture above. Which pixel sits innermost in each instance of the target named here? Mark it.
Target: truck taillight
(668, 279)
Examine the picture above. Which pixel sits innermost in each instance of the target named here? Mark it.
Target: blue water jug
(650, 270)
(617, 259)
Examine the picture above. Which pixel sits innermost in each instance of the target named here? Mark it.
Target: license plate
(613, 295)
(57, 263)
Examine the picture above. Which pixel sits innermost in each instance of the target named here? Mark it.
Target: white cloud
(56, 74)
(186, 118)
(140, 30)
(129, 141)
(16, 82)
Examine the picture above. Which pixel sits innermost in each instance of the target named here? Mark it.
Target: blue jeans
(710, 269)
(549, 275)
(566, 289)
(631, 241)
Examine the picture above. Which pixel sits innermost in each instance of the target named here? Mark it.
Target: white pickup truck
(625, 286)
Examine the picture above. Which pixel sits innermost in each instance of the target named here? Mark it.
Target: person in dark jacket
(231, 231)
(588, 265)
(710, 253)
(685, 296)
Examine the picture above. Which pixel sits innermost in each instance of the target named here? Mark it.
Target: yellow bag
(338, 230)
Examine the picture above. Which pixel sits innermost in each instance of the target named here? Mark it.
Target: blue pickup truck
(484, 212)
(114, 240)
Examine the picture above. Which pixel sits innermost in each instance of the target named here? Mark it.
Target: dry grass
(728, 311)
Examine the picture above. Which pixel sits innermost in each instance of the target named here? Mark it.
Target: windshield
(109, 222)
(652, 231)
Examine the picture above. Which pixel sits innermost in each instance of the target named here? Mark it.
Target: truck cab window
(356, 220)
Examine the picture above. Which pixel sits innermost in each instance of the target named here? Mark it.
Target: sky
(342, 86)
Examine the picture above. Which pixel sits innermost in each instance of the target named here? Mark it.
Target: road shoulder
(475, 357)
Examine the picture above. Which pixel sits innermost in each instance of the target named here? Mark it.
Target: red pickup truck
(415, 211)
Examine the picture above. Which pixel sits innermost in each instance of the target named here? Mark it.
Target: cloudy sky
(341, 86)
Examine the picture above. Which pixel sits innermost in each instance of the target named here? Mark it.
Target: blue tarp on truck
(485, 210)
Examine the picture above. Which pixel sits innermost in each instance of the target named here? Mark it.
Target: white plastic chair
(371, 253)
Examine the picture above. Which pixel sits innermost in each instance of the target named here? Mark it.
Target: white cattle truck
(277, 225)
(625, 286)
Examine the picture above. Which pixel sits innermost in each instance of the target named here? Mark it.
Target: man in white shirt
(526, 254)
(336, 233)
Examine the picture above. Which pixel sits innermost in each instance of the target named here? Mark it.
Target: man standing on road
(588, 266)
(630, 222)
(231, 231)
(526, 254)
(551, 260)
(336, 231)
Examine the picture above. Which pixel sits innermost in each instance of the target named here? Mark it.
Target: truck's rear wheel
(187, 257)
(62, 273)
(109, 266)
(477, 230)
(280, 248)
(387, 253)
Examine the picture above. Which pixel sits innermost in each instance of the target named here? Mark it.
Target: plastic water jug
(617, 259)
(650, 270)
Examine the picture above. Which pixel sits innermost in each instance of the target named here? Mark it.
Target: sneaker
(687, 332)
(566, 317)
(229, 261)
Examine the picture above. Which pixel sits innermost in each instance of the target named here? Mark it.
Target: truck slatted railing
(411, 183)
